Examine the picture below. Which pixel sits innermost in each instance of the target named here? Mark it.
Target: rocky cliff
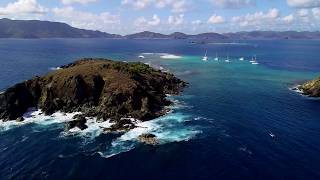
(96, 87)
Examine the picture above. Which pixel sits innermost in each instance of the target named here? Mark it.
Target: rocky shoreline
(101, 88)
(310, 88)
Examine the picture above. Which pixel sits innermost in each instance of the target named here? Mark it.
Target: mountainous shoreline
(33, 29)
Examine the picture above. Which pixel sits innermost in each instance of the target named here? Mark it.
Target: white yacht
(241, 59)
(141, 57)
(227, 60)
(254, 60)
(216, 58)
(205, 57)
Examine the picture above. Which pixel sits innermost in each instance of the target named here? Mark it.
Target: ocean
(220, 127)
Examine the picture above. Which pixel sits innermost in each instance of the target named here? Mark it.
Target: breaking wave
(173, 127)
(168, 128)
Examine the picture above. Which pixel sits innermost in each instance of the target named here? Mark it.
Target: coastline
(299, 91)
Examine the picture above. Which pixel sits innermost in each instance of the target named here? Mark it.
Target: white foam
(95, 129)
(163, 55)
(55, 68)
(161, 68)
(301, 92)
(297, 89)
(168, 128)
(36, 116)
(170, 56)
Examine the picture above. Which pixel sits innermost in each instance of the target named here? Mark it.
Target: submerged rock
(96, 87)
(150, 139)
(311, 88)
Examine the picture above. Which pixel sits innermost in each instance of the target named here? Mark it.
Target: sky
(167, 16)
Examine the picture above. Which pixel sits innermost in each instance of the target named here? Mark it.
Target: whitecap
(245, 149)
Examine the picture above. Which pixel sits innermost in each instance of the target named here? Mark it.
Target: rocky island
(311, 88)
(99, 88)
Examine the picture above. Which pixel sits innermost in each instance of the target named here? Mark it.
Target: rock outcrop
(96, 87)
(311, 88)
(79, 122)
(150, 139)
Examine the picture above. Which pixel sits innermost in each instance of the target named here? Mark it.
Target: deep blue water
(219, 129)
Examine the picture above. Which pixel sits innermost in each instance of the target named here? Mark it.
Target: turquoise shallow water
(219, 129)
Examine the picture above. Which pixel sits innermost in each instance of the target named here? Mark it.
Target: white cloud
(103, 21)
(288, 18)
(303, 12)
(176, 20)
(304, 3)
(215, 19)
(176, 6)
(316, 13)
(196, 22)
(179, 6)
(68, 2)
(258, 18)
(233, 3)
(21, 7)
(142, 22)
(137, 4)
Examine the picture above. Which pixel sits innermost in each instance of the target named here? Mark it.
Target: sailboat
(205, 57)
(227, 60)
(254, 60)
(216, 58)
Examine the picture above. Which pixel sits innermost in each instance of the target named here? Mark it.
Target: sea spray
(36, 116)
(168, 128)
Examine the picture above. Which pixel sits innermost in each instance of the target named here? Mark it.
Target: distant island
(46, 29)
(98, 88)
